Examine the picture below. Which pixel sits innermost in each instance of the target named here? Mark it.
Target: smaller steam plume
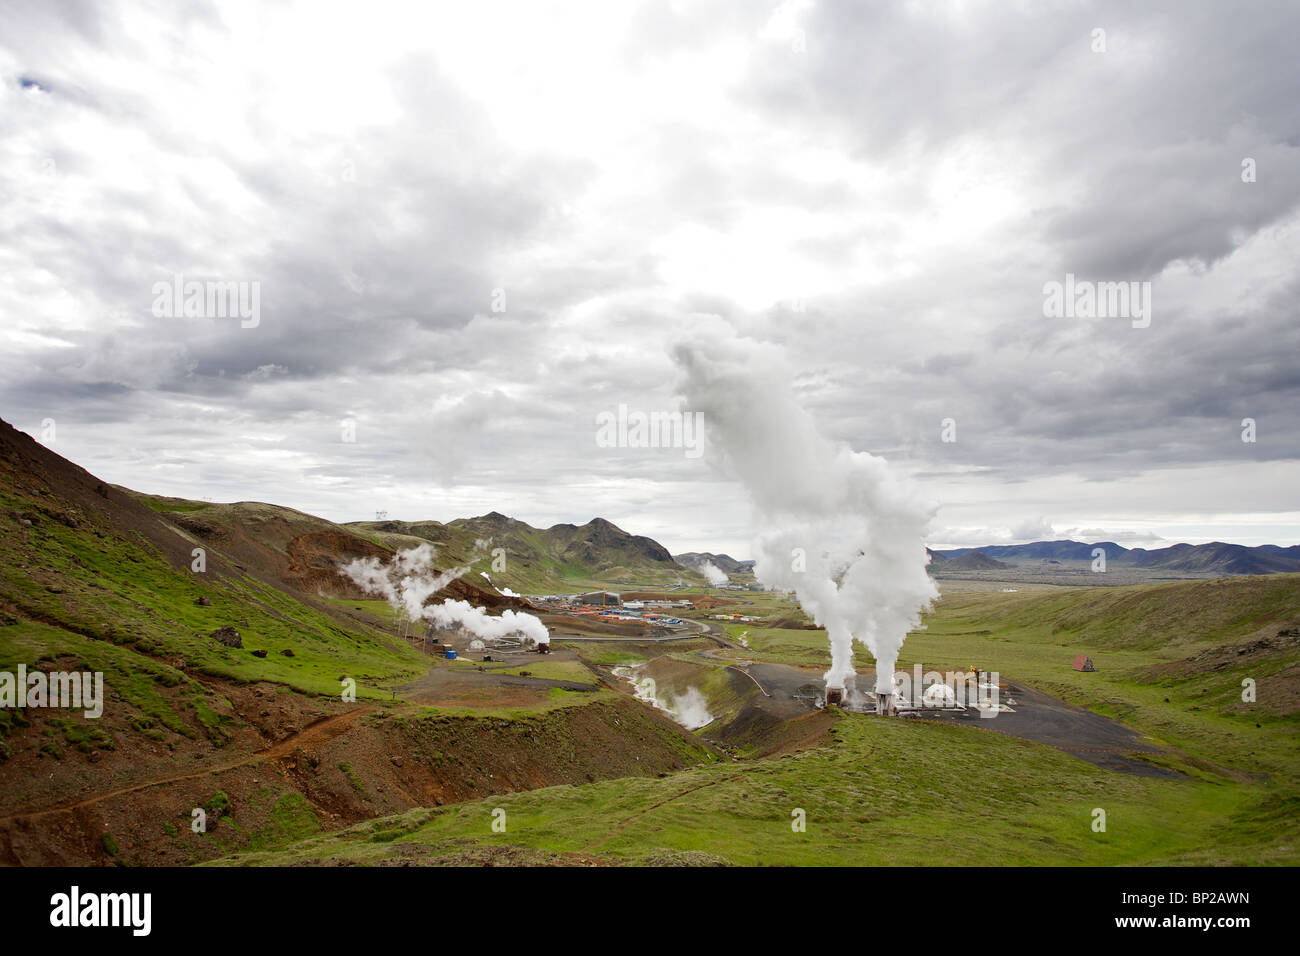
(690, 709)
(409, 580)
(478, 622)
(714, 574)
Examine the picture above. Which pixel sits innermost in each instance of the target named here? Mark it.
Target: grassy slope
(885, 792)
(120, 606)
(1126, 631)
(907, 792)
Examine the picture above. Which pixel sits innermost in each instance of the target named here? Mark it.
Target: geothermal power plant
(849, 697)
(918, 691)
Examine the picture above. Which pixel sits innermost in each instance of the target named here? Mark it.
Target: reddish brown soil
(561, 624)
(314, 560)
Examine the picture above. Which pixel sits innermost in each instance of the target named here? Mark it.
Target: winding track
(318, 731)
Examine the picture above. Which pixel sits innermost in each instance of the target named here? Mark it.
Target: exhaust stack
(834, 695)
(885, 705)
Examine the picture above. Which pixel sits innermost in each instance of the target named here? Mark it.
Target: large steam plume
(837, 526)
(408, 580)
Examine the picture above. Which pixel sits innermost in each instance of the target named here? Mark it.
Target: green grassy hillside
(93, 578)
(882, 792)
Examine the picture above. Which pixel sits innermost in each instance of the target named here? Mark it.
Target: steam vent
(834, 695)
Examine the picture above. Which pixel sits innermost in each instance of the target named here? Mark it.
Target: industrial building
(599, 599)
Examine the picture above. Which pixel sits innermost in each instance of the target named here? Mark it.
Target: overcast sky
(883, 191)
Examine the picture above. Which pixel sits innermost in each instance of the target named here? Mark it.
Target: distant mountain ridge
(974, 561)
(512, 553)
(1217, 557)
